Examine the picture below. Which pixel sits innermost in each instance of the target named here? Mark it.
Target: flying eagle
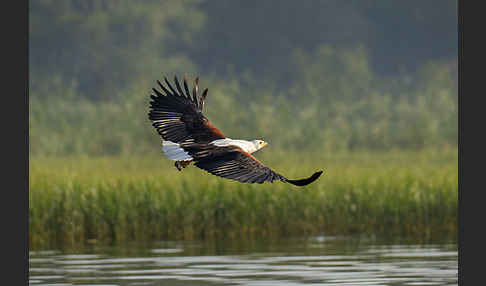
(188, 136)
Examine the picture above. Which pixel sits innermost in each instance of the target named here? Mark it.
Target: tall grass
(78, 200)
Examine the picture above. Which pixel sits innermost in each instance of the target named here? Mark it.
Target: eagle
(189, 137)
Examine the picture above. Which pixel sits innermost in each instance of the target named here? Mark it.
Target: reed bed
(80, 200)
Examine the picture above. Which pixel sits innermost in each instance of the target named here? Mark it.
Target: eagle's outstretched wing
(178, 117)
(232, 162)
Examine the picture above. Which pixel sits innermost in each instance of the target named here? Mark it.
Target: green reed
(81, 200)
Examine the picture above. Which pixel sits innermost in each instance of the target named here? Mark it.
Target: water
(319, 260)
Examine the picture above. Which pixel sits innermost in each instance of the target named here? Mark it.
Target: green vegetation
(353, 109)
(102, 46)
(78, 200)
(92, 65)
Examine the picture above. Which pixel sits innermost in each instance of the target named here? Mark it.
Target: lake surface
(319, 260)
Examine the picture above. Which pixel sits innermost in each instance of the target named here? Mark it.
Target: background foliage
(325, 75)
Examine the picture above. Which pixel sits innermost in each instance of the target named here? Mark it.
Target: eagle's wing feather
(232, 162)
(178, 117)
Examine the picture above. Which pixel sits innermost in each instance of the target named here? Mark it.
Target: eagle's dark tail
(304, 182)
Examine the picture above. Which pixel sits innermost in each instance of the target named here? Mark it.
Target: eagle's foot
(181, 164)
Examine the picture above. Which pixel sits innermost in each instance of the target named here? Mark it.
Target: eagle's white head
(258, 144)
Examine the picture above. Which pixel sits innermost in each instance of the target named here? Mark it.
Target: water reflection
(323, 261)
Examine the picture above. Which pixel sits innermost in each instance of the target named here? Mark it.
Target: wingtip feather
(306, 181)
